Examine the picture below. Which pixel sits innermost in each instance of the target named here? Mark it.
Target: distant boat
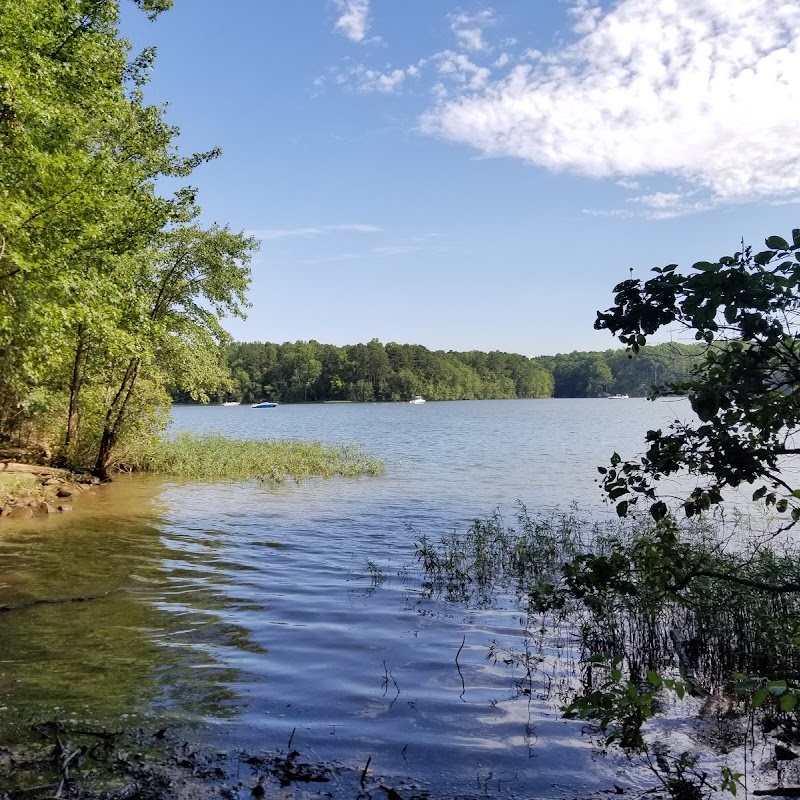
(263, 405)
(618, 397)
(417, 400)
(231, 403)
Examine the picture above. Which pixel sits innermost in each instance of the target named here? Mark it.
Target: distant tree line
(313, 372)
(594, 374)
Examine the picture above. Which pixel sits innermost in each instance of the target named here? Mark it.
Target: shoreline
(33, 490)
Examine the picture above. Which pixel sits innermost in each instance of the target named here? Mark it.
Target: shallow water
(249, 613)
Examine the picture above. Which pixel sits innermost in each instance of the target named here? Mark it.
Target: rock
(51, 482)
(65, 491)
(64, 507)
(44, 508)
(21, 512)
(31, 469)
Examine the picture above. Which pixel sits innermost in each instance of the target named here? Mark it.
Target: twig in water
(55, 601)
(364, 773)
(289, 744)
(387, 675)
(458, 667)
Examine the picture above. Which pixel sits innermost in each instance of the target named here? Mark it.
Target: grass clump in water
(212, 456)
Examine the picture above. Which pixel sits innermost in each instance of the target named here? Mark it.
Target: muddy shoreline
(33, 490)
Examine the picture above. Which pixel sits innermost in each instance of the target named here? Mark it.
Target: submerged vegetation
(190, 456)
(599, 590)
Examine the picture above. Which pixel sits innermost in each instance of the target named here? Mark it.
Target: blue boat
(263, 405)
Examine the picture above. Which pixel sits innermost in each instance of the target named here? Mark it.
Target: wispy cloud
(353, 19)
(373, 253)
(312, 232)
(707, 95)
(460, 69)
(413, 244)
(469, 28)
(667, 205)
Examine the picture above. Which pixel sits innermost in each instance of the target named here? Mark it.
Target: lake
(255, 615)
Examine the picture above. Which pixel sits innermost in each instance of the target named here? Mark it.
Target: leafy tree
(745, 309)
(79, 154)
(178, 292)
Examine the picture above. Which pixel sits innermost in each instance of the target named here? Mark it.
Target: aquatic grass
(607, 583)
(493, 554)
(273, 461)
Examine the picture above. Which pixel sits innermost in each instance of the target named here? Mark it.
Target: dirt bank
(33, 490)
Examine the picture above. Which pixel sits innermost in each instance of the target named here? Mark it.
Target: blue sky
(479, 176)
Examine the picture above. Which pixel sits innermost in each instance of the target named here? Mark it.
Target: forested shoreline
(315, 372)
(110, 290)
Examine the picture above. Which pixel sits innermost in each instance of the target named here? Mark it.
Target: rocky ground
(31, 490)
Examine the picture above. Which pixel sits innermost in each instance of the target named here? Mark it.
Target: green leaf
(705, 403)
(763, 258)
(759, 697)
(658, 510)
(622, 508)
(654, 678)
(777, 243)
(705, 266)
(788, 701)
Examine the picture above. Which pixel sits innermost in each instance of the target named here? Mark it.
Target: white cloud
(706, 93)
(389, 80)
(311, 232)
(370, 80)
(659, 199)
(468, 28)
(666, 205)
(353, 21)
(458, 68)
(586, 13)
(626, 183)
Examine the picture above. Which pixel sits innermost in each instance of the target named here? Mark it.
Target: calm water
(250, 613)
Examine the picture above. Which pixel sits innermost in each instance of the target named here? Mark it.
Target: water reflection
(256, 610)
(156, 638)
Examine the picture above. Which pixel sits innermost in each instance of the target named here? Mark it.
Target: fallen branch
(52, 601)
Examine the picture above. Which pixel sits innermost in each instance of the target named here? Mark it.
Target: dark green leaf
(777, 243)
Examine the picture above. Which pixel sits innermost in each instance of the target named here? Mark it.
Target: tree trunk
(74, 391)
(114, 417)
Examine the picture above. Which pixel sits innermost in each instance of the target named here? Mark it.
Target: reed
(273, 461)
(620, 587)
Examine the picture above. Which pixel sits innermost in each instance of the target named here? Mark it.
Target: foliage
(745, 309)
(310, 371)
(641, 627)
(189, 456)
(108, 289)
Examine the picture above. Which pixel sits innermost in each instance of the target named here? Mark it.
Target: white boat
(231, 403)
(263, 405)
(618, 397)
(417, 400)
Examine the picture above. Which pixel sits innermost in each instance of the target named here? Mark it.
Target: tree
(178, 292)
(79, 155)
(745, 308)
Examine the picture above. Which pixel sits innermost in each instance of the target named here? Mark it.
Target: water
(247, 613)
